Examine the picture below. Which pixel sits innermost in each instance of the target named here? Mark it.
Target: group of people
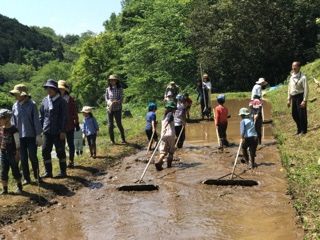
(23, 129)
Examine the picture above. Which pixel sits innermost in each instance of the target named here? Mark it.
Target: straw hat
(86, 109)
(113, 77)
(20, 90)
(62, 84)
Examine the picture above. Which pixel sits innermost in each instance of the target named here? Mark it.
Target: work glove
(39, 140)
(77, 127)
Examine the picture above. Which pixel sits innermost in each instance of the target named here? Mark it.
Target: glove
(39, 140)
(77, 127)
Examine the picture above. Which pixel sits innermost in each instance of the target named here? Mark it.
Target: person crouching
(167, 140)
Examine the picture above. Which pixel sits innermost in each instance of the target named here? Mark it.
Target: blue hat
(152, 105)
(221, 97)
(51, 83)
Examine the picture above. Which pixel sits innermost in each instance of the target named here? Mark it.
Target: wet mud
(183, 207)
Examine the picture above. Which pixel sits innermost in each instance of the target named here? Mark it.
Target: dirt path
(183, 208)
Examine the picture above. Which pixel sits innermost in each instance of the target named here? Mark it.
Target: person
(257, 88)
(172, 88)
(90, 129)
(25, 118)
(78, 141)
(221, 120)
(10, 144)
(248, 136)
(298, 90)
(73, 119)
(256, 113)
(167, 136)
(114, 98)
(189, 103)
(151, 122)
(180, 122)
(54, 120)
(207, 83)
(203, 95)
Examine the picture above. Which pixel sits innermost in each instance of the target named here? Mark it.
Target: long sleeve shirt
(256, 90)
(25, 118)
(90, 126)
(73, 118)
(298, 84)
(114, 98)
(247, 128)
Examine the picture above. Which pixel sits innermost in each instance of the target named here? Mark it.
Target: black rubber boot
(63, 170)
(48, 173)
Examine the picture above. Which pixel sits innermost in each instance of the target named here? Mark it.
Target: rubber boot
(63, 170)
(169, 162)
(48, 173)
(94, 151)
(158, 165)
(123, 138)
(221, 143)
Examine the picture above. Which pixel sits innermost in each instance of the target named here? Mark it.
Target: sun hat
(62, 84)
(261, 81)
(152, 105)
(113, 77)
(21, 90)
(171, 104)
(244, 111)
(172, 83)
(51, 83)
(205, 76)
(5, 113)
(86, 109)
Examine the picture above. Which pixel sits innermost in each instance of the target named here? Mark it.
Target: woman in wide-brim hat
(73, 119)
(114, 98)
(257, 88)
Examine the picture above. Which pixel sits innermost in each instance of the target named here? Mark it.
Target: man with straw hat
(73, 119)
(25, 118)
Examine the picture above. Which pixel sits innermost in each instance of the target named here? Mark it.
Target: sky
(63, 16)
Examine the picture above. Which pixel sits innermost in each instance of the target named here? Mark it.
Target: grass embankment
(300, 154)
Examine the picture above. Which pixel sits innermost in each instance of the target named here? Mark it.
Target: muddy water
(183, 208)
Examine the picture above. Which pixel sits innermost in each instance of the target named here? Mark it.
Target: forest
(152, 42)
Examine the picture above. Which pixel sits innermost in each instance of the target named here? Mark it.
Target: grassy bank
(300, 154)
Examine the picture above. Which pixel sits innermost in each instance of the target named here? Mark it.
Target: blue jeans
(28, 149)
(8, 160)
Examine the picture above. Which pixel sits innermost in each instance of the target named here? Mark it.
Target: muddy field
(183, 207)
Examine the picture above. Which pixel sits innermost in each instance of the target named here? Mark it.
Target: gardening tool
(179, 136)
(231, 181)
(149, 145)
(144, 187)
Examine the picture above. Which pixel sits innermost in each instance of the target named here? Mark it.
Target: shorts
(167, 145)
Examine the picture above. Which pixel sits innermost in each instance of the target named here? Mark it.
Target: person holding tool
(221, 120)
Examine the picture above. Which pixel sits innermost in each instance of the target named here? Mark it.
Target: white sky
(63, 16)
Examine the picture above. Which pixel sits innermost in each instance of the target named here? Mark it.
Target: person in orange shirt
(221, 120)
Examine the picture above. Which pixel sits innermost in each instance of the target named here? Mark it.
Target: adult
(298, 90)
(172, 90)
(257, 88)
(54, 120)
(207, 83)
(203, 95)
(114, 98)
(25, 118)
(73, 119)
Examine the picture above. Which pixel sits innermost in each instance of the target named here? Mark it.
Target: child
(207, 83)
(189, 103)
(167, 136)
(151, 120)
(248, 135)
(54, 120)
(10, 147)
(203, 95)
(90, 129)
(256, 113)
(221, 120)
(78, 141)
(180, 121)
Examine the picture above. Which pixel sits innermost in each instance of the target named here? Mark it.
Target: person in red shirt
(189, 103)
(221, 120)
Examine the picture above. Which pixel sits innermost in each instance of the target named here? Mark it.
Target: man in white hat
(256, 90)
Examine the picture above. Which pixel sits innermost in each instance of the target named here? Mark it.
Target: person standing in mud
(54, 120)
(167, 136)
(221, 120)
(249, 136)
(207, 83)
(114, 98)
(180, 122)
(203, 95)
(151, 123)
(256, 113)
(25, 117)
(172, 88)
(73, 119)
(298, 90)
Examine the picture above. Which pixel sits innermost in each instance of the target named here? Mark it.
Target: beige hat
(172, 83)
(62, 84)
(205, 76)
(86, 109)
(113, 77)
(261, 81)
(20, 90)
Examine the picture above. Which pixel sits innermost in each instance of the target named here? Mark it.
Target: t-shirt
(221, 114)
(151, 116)
(247, 128)
(169, 130)
(7, 138)
(256, 107)
(180, 116)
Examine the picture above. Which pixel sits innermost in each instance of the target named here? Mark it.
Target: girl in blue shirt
(90, 129)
